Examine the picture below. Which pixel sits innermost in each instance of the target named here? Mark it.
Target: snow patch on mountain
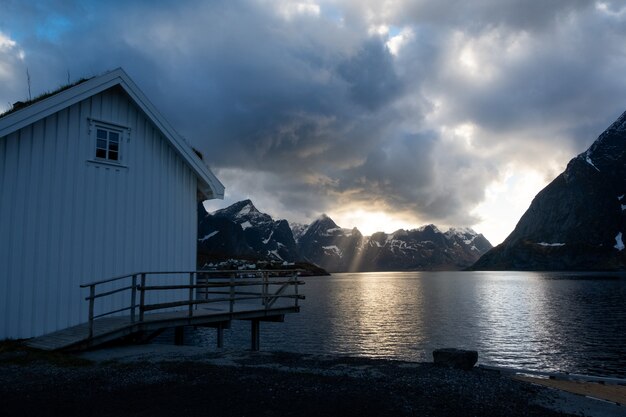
(589, 161)
(274, 253)
(266, 241)
(298, 229)
(334, 249)
(619, 244)
(460, 231)
(209, 236)
(244, 211)
(550, 244)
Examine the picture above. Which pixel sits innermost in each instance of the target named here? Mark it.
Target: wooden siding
(66, 220)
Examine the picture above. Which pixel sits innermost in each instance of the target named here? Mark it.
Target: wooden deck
(108, 329)
(214, 299)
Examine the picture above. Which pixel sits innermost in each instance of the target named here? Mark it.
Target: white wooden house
(93, 183)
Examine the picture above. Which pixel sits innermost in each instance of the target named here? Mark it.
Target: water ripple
(541, 321)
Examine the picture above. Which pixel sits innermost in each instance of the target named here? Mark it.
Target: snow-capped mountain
(425, 248)
(328, 245)
(220, 239)
(241, 231)
(577, 221)
(258, 235)
(298, 229)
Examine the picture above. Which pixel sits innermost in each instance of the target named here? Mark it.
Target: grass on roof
(44, 96)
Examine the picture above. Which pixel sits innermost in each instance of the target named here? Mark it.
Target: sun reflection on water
(375, 313)
(520, 319)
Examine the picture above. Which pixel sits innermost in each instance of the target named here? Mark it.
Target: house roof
(208, 183)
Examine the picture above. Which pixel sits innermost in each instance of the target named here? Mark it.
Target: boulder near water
(455, 358)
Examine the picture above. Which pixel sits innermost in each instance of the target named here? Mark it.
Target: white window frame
(106, 144)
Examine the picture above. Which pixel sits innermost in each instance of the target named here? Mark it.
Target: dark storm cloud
(402, 171)
(371, 75)
(307, 106)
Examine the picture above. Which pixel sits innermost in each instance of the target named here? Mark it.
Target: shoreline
(162, 380)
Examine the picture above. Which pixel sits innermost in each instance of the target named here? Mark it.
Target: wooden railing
(203, 287)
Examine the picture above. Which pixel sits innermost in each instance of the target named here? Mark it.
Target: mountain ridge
(256, 235)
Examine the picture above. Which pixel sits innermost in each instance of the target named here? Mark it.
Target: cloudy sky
(381, 113)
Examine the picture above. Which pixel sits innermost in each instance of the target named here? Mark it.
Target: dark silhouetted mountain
(258, 236)
(427, 248)
(329, 246)
(220, 238)
(578, 220)
(242, 232)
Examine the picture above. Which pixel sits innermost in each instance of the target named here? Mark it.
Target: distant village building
(93, 183)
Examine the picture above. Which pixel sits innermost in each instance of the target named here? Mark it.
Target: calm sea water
(572, 322)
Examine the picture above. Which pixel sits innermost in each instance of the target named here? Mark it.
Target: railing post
(142, 296)
(201, 292)
(265, 276)
(191, 294)
(133, 298)
(92, 295)
(232, 293)
(295, 288)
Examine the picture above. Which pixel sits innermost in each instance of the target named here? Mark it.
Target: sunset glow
(369, 222)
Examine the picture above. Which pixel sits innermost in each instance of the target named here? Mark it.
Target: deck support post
(133, 298)
(220, 335)
(294, 277)
(92, 297)
(231, 306)
(255, 325)
(142, 296)
(265, 289)
(179, 335)
(191, 274)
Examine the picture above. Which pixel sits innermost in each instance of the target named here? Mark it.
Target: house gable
(208, 185)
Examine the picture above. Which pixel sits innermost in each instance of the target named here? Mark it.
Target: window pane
(102, 134)
(108, 143)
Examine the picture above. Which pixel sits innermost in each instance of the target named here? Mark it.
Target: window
(108, 144)
(109, 141)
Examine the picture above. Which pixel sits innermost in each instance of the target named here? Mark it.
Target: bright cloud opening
(369, 222)
(395, 43)
(505, 203)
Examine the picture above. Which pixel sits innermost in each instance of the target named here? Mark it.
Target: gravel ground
(163, 381)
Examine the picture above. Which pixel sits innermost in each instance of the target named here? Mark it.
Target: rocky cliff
(578, 220)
